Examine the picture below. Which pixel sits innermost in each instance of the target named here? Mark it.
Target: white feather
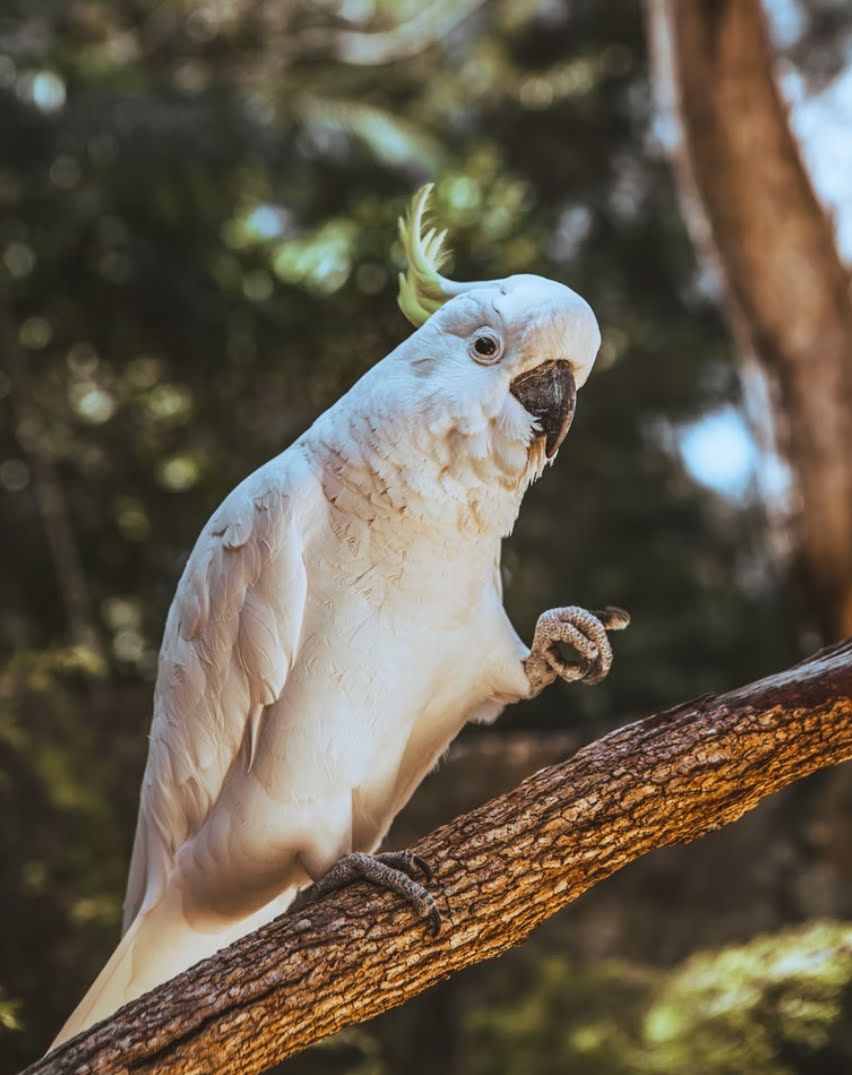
(337, 623)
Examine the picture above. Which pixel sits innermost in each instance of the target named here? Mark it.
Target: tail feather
(158, 945)
(111, 988)
(137, 881)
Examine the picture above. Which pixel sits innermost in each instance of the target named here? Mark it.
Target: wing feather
(231, 637)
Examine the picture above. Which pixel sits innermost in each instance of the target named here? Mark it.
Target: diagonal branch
(501, 869)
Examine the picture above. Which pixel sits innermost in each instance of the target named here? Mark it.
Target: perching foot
(585, 632)
(395, 870)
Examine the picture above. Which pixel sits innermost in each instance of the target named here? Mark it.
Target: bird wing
(231, 637)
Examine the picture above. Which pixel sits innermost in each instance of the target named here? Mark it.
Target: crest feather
(422, 289)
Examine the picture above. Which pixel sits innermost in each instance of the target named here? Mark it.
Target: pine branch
(500, 869)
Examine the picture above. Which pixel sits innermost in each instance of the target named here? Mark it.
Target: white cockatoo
(340, 619)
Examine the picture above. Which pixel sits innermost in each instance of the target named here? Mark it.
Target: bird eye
(486, 346)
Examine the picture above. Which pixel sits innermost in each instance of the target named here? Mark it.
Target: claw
(592, 679)
(406, 861)
(423, 866)
(585, 632)
(386, 870)
(613, 618)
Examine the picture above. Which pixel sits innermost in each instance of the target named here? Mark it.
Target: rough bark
(751, 204)
(500, 870)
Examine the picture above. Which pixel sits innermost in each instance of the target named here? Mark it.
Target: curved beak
(548, 393)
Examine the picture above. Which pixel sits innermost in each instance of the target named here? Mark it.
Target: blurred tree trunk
(751, 208)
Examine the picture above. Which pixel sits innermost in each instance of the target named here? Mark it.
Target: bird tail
(112, 987)
(158, 944)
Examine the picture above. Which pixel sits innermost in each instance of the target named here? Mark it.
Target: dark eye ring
(486, 346)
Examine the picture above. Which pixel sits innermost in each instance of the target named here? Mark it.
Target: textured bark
(750, 204)
(500, 870)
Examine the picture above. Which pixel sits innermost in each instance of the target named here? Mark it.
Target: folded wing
(231, 637)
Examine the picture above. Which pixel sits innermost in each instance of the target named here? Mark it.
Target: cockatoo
(340, 619)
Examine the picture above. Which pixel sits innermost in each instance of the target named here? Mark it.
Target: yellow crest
(422, 289)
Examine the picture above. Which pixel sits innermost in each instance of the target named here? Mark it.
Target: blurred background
(198, 255)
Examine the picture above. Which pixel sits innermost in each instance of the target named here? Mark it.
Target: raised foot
(395, 870)
(585, 632)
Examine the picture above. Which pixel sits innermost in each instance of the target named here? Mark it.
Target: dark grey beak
(548, 393)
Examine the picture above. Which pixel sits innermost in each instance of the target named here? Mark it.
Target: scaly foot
(395, 870)
(586, 632)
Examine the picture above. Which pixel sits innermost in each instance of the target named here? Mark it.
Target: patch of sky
(267, 222)
(786, 21)
(47, 91)
(719, 452)
(823, 124)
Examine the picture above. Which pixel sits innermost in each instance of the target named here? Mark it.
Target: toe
(594, 676)
(422, 865)
(408, 862)
(569, 671)
(598, 670)
(434, 918)
(613, 618)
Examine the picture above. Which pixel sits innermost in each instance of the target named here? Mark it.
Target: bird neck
(456, 480)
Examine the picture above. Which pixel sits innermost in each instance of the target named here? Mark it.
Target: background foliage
(197, 256)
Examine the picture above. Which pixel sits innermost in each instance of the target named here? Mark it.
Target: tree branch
(500, 870)
(750, 205)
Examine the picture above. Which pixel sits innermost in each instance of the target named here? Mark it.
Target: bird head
(514, 350)
(468, 410)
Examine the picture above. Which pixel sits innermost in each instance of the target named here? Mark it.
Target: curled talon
(406, 861)
(390, 870)
(586, 632)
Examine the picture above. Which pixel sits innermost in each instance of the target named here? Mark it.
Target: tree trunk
(751, 206)
(500, 870)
